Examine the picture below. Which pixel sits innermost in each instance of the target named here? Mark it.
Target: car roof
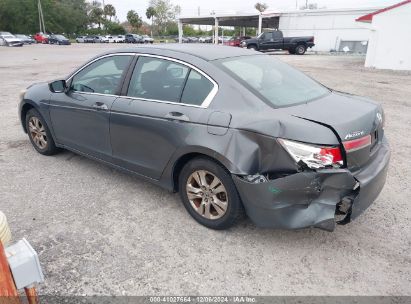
(206, 52)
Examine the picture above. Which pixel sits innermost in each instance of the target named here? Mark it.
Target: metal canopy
(269, 21)
(259, 21)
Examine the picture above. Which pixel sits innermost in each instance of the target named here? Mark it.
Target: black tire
(252, 47)
(291, 51)
(300, 49)
(234, 211)
(50, 148)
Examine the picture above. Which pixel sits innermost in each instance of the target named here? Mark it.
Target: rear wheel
(300, 49)
(209, 194)
(39, 133)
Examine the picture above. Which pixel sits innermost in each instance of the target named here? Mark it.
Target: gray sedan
(233, 131)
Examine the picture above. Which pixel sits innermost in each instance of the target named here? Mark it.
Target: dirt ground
(100, 231)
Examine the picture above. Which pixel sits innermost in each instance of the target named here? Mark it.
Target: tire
(300, 49)
(50, 147)
(291, 51)
(223, 191)
(252, 47)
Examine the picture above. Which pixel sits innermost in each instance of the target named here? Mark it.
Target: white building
(390, 37)
(333, 29)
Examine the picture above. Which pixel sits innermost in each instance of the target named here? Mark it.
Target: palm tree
(109, 10)
(150, 14)
(96, 16)
(261, 7)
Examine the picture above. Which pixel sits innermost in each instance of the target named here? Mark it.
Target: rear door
(164, 101)
(80, 117)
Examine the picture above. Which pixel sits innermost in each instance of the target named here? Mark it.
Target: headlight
(315, 157)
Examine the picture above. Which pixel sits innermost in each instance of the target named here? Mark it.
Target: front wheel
(209, 194)
(252, 47)
(300, 49)
(39, 133)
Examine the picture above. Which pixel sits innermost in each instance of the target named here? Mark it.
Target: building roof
(368, 18)
(203, 51)
(239, 19)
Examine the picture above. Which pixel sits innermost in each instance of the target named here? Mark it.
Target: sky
(190, 7)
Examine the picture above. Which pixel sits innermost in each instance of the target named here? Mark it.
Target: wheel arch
(183, 159)
(26, 107)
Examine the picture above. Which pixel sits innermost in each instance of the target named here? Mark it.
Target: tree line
(84, 17)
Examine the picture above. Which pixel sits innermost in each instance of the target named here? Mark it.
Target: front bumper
(309, 199)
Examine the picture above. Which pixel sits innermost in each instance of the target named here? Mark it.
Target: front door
(80, 117)
(266, 41)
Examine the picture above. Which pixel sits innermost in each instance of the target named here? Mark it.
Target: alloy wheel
(207, 194)
(38, 132)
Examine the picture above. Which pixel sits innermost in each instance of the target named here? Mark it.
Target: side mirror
(58, 86)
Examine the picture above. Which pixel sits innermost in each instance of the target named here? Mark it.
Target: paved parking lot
(100, 231)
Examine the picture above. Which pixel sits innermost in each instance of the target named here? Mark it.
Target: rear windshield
(275, 82)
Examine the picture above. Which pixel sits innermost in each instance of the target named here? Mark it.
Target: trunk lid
(349, 117)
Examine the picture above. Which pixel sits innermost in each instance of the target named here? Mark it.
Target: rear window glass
(275, 82)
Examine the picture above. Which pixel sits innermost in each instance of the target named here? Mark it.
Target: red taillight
(335, 152)
(356, 144)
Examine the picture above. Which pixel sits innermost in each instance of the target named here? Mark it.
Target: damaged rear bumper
(310, 199)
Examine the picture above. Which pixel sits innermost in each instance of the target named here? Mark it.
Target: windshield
(60, 37)
(8, 36)
(273, 81)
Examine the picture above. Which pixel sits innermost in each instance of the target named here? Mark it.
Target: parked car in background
(58, 39)
(119, 39)
(110, 38)
(147, 39)
(232, 130)
(207, 39)
(183, 39)
(41, 38)
(89, 39)
(102, 39)
(25, 39)
(80, 39)
(223, 39)
(133, 38)
(274, 40)
(236, 41)
(8, 39)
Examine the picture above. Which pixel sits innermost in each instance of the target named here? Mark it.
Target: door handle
(100, 106)
(177, 116)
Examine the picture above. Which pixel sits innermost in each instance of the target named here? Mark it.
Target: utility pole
(41, 17)
(198, 11)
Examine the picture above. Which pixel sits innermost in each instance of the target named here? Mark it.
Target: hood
(251, 40)
(348, 115)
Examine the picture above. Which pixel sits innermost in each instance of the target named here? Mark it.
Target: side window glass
(276, 35)
(159, 79)
(102, 76)
(197, 89)
(268, 36)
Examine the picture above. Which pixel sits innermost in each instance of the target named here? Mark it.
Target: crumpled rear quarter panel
(300, 200)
